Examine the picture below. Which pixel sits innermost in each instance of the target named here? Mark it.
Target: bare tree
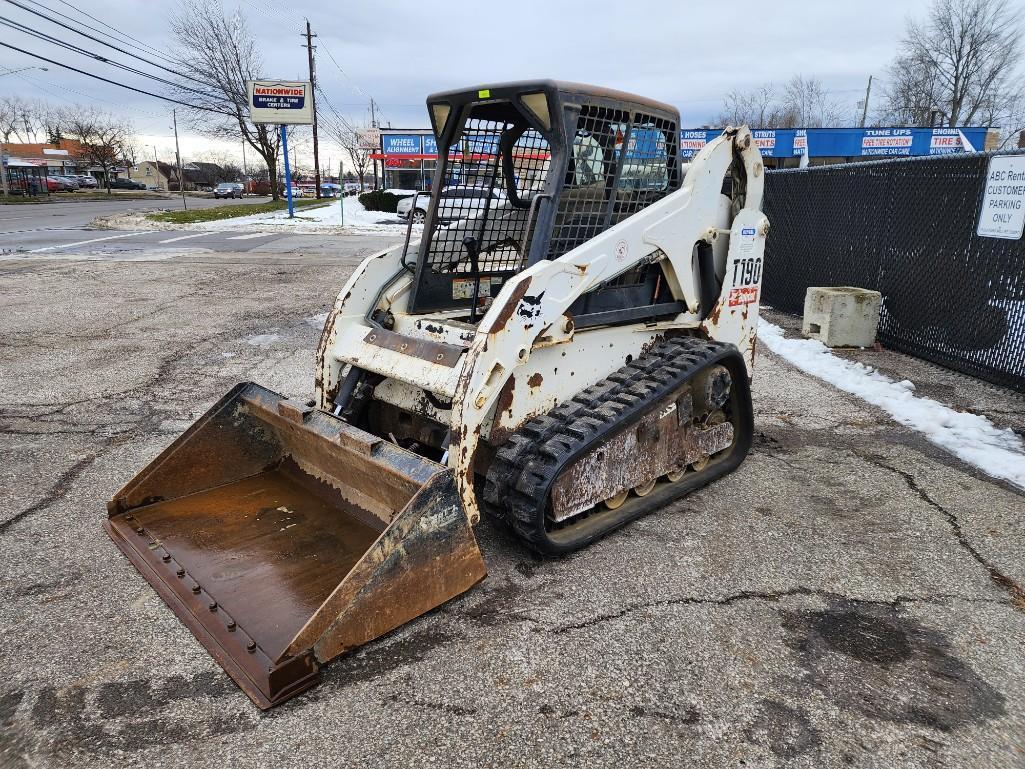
(8, 118)
(20, 120)
(228, 162)
(105, 140)
(757, 108)
(807, 104)
(219, 55)
(350, 139)
(803, 103)
(959, 63)
(1011, 119)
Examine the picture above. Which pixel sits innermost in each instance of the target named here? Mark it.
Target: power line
(334, 61)
(340, 119)
(42, 85)
(114, 82)
(101, 42)
(275, 17)
(124, 35)
(82, 51)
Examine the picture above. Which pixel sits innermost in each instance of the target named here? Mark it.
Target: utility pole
(156, 164)
(178, 158)
(373, 124)
(864, 111)
(313, 103)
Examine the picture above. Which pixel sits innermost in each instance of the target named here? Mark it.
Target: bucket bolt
(251, 647)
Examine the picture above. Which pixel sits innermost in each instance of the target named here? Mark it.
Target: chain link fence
(905, 228)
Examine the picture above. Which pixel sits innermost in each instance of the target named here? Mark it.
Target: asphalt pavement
(851, 596)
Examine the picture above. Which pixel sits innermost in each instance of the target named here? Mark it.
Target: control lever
(472, 250)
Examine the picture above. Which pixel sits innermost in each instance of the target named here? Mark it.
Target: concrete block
(841, 316)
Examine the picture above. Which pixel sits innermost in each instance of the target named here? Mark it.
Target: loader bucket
(283, 537)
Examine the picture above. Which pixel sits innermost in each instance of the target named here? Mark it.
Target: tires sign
(280, 102)
(1002, 214)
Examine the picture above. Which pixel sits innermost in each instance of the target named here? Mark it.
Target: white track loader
(567, 346)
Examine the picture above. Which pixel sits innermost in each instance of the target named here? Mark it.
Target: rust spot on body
(500, 434)
(713, 316)
(535, 379)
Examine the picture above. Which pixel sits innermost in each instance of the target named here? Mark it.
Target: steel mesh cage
(906, 228)
(618, 165)
(474, 201)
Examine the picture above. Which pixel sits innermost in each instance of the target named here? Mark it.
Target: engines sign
(280, 102)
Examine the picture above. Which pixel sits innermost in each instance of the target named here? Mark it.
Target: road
(72, 214)
(849, 597)
(61, 230)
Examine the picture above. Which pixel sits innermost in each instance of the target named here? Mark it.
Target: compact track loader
(568, 346)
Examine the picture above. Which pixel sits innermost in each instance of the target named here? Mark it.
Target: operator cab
(529, 171)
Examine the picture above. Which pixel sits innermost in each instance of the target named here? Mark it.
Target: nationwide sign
(280, 102)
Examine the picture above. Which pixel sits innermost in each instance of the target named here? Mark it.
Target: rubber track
(527, 464)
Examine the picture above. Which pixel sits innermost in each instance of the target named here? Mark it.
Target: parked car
(54, 184)
(126, 184)
(454, 203)
(228, 190)
(85, 181)
(70, 182)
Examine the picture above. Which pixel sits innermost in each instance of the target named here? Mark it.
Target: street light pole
(178, 157)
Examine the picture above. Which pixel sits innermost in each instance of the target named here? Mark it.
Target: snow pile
(970, 437)
(322, 219)
(318, 320)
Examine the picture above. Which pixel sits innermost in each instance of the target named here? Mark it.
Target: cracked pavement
(851, 596)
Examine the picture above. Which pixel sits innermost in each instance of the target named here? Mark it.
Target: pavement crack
(1014, 591)
(763, 596)
(55, 493)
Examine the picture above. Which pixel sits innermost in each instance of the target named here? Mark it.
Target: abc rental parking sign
(280, 102)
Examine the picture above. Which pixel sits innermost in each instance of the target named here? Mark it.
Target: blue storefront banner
(401, 144)
(772, 142)
(848, 142)
(478, 144)
(646, 144)
(431, 146)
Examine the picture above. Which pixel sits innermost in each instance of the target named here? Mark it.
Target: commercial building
(410, 155)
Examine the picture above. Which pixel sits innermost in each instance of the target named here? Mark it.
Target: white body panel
(524, 357)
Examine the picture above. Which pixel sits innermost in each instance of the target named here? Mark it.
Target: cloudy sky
(685, 52)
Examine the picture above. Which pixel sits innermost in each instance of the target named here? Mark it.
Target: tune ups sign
(280, 102)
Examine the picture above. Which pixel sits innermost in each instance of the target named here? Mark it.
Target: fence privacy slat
(905, 228)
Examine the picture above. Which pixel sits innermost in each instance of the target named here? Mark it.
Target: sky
(687, 53)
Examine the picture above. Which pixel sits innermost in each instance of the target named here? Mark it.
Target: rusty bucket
(283, 537)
